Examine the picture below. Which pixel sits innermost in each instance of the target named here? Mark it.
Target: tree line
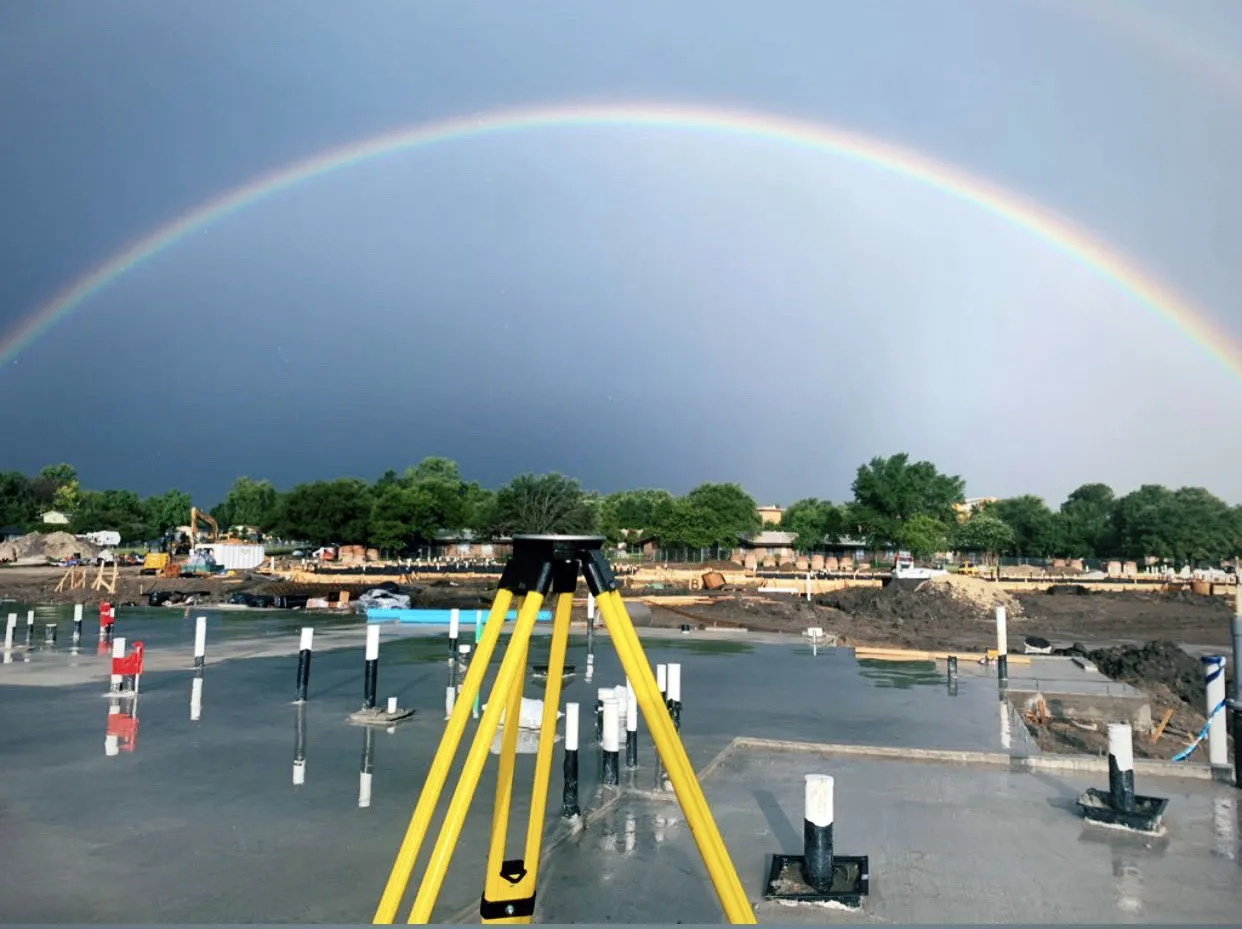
(895, 503)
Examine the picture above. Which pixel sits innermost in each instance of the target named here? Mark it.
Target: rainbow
(1056, 231)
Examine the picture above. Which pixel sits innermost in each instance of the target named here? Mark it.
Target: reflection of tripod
(542, 564)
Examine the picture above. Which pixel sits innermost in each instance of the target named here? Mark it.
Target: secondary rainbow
(1056, 231)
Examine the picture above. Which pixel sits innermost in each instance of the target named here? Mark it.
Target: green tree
(326, 512)
(813, 521)
(889, 491)
(1033, 523)
(248, 503)
(432, 468)
(710, 515)
(541, 503)
(394, 512)
(165, 512)
(632, 513)
(1086, 522)
(117, 510)
(17, 503)
(923, 535)
(983, 533)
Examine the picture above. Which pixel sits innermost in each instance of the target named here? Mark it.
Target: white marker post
(9, 628)
(454, 622)
(817, 838)
(1002, 645)
(200, 643)
(118, 651)
(610, 742)
(569, 789)
(1218, 733)
(631, 727)
(29, 628)
(662, 679)
(590, 668)
(370, 671)
(1121, 767)
(808, 586)
(306, 644)
(674, 694)
(77, 624)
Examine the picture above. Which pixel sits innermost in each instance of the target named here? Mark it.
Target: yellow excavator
(165, 563)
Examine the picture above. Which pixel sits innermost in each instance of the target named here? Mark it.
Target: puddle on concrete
(901, 674)
(700, 646)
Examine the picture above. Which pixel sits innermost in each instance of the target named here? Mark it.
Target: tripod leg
(720, 869)
(403, 866)
(496, 883)
(446, 842)
(547, 734)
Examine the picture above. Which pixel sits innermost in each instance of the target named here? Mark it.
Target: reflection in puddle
(899, 674)
(299, 746)
(121, 731)
(364, 774)
(1129, 881)
(196, 696)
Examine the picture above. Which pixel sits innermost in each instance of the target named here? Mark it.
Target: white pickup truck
(904, 569)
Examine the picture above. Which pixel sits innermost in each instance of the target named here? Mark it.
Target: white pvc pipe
(819, 800)
(8, 631)
(571, 727)
(631, 709)
(1121, 746)
(662, 678)
(1002, 632)
(450, 698)
(30, 617)
(392, 705)
(77, 612)
(1218, 739)
(373, 633)
(307, 640)
(200, 637)
(454, 622)
(611, 737)
(674, 683)
(590, 606)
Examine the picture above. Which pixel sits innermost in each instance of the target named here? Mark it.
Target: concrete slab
(202, 821)
(947, 845)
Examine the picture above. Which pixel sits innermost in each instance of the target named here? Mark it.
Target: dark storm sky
(630, 306)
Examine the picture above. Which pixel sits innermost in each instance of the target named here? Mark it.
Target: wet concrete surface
(947, 844)
(202, 822)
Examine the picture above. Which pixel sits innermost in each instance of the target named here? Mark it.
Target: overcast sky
(630, 306)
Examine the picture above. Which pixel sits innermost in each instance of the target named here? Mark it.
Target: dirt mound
(52, 546)
(983, 595)
(1159, 662)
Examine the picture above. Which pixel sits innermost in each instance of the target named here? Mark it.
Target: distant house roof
(770, 538)
(56, 518)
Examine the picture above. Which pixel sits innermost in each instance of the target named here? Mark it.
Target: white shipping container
(237, 557)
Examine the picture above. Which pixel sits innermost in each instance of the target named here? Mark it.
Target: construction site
(929, 715)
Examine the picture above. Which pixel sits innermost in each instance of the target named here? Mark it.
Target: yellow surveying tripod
(541, 564)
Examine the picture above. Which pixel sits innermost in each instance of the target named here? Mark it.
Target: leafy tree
(326, 512)
(710, 515)
(984, 533)
(541, 503)
(633, 512)
(394, 512)
(17, 503)
(117, 510)
(480, 505)
(1086, 523)
(248, 503)
(432, 469)
(813, 521)
(889, 491)
(923, 535)
(1034, 525)
(166, 511)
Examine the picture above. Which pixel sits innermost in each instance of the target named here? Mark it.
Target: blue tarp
(438, 617)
